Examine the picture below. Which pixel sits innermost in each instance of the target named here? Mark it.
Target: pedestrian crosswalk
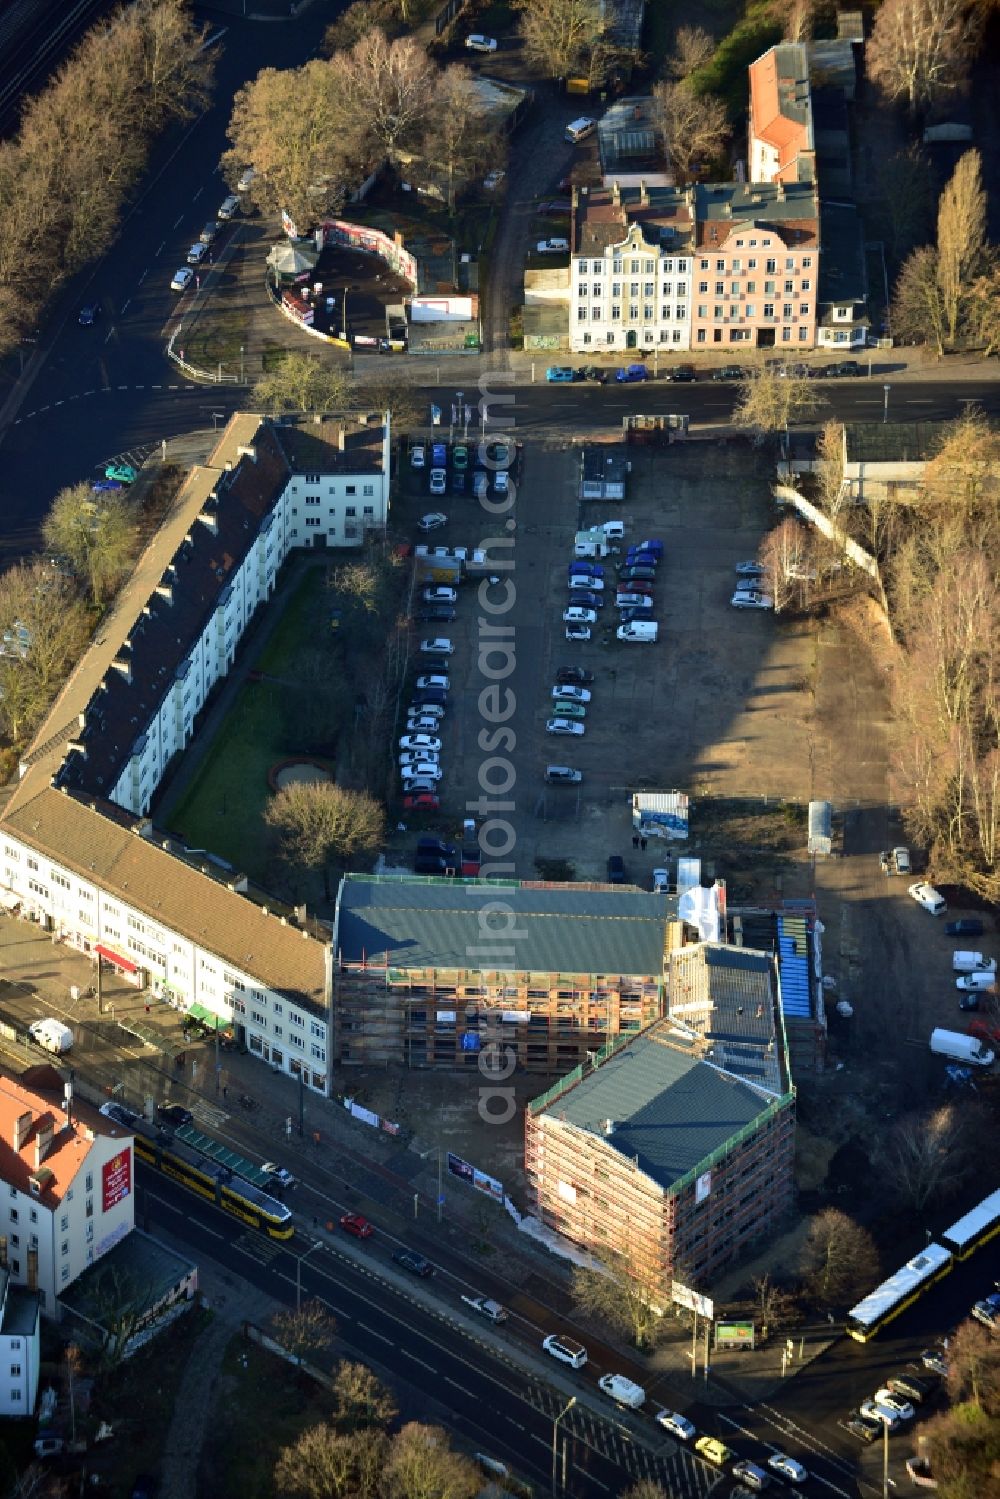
(639, 1454)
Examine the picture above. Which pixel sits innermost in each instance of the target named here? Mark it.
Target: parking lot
(719, 705)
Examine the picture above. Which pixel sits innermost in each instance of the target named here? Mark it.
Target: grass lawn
(223, 809)
(259, 1410)
(216, 338)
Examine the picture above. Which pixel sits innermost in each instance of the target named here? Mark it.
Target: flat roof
(724, 995)
(416, 923)
(139, 1264)
(658, 1103)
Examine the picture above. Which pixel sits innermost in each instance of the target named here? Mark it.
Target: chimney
(165, 587)
(643, 193)
(43, 1142)
(22, 1128)
(781, 190)
(616, 193)
(247, 452)
(609, 1126)
(123, 662)
(341, 437)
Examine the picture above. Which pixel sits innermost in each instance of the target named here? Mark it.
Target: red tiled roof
(70, 1142)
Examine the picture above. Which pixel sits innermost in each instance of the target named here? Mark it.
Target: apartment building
(20, 1347)
(675, 1147)
(780, 134)
(66, 1181)
(429, 972)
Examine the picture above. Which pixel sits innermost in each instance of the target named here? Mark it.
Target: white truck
(52, 1035)
(623, 1391)
(643, 630)
(593, 543)
(959, 1048)
(660, 814)
(972, 962)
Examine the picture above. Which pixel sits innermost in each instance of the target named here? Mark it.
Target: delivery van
(979, 980)
(959, 1048)
(638, 629)
(52, 1035)
(623, 1391)
(972, 962)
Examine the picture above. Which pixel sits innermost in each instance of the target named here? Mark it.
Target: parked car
(749, 569)
(714, 1451)
(788, 1467)
(616, 869)
(677, 1425)
(174, 1113)
(661, 881)
(845, 368)
(595, 373)
(575, 615)
(682, 373)
(626, 599)
(553, 247)
(586, 599)
(637, 574)
(934, 1360)
(415, 1263)
(574, 674)
(577, 632)
(967, 926)
(420, 742)
(651, 544)
(418, 455)
(435, 680)
(865, 1427)
(987, 1311)
(493, 179)
(631, 373)
(925, 895)
(750, 598)
(567, 1350)
(567, 692)
(560, 374)
(479, 43)
(182, 279)
(902, 1408)
(585, 570)
(439, 645)
(89, 313)
(438, 481)
(729, 372)
(280, 1174)
(912, 1387)
(426, 772)
(413, 761)
(433, 521)
(422, 801)
(121, 473)
(419, 784)
(228, 208)
(591, 581)
(460, 457)
(875, 1410)
(440, 595)
(119, 1114)
(565, 726)
(562, 775)
(356, 1225)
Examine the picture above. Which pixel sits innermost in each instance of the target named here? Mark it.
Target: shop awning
(207, 1017)
(116, 958)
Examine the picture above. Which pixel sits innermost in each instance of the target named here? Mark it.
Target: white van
(972, 962)
(51, 1034)
(623, 1391)
(960, 1048)
(982, 978)
(638, 629)
(578, 130)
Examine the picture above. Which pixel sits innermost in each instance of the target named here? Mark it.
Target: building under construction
(675, 1148)
(428, 972)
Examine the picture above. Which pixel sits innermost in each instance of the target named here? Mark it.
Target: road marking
(142, 278)
(178, 221)
(423, 1364)
(107, 336)
(448, 1380)
(57, 404)
(125, 306)
(372, 1333)
(160, 250)
(123, 387)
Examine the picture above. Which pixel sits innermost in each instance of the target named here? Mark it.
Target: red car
(631, 585)
(353, 1223)
(421, 801)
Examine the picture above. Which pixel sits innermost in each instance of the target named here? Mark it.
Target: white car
(436, 679)
(425, 770)
(280, 1174)
(182, 279)
(410, 758)
(875, 1411)
(925, 895)
(501, 480)
(420, 742)
(422, 723)
(439, 646)
(439, 481)
(433, 711)
(228, 208)
(197, 253)
(584, 580)
(676, 1424)
(493, 179)
(418, 455)
(577, 616)
(904, 1410)
(433, 521)
(577, 632)
(572, 694)
(749, 598)
(553, 247)
(565, 726)
(567, 1350)
(440, 595)
(778, 1462)
(749, 569)
(479, 43)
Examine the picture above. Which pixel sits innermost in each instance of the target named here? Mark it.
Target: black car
(968, 926)
(174, 1113)
(415, 1263)
(586, 599)
(89, 314)
(433, 664)
(443, 612)
(457, 482)
(912, 1386)
(846, 368)
(729, 372)
(575, 676)
(637, 574)
(593, 372)
(616, 869)
(425, 695)
(681, 372)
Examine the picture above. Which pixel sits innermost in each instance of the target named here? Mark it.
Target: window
(649, 289)
(617, 265)
(13, 1215)
(769, 309)
(616, 313)
(258, 1018)
(720, 265)
(803, 334)
(789, 288)
(633, 288)
(15, 1240)
(790, 263)
(90, 1181)
(581, 314)
(703, 286)
(752, 262)
(296, 1019)
(15, 1371)
(350, 510)
(786, 334)
(583, 266)
(633, 266)
(682, 289)
(771, 266)
(720, 288)
(598, 289)
(717, 311)
(807, 285)
(807, 263)
(734, 288)
(702, 310)
(751, 288)
(64, 1274)
(737, 262)
(633, 312)
(616, 288)
(803, 309)
(647, 314)
(701, 335)
(786, 309)
(583, 291)
(64, 1247)
(769, 288)
(350, 489)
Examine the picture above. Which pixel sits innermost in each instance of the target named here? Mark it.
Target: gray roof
(893, 442)
(842, 275)
(724, 994)
(21, 1311)
(440, 923)
(668, 1110)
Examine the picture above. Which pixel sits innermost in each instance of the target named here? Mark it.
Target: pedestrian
(147, 1009)
(225, 1090)
(642, 844)
(635, 840)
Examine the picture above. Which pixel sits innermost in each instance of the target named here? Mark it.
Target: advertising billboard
(116, 1179)
(734, 1335)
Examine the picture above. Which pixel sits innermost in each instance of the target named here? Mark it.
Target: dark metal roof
(444, 923)
(666, 1109)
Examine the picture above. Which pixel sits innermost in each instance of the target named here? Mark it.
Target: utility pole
(555, 1445)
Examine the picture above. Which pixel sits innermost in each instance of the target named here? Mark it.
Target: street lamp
(298, 1272)
(555, 1438)
(885, 403)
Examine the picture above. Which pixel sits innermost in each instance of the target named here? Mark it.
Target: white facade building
(631, 293)
(66, 1190)
(20, 1348)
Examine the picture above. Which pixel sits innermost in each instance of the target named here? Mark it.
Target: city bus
(974, 1229)
(898, 1292)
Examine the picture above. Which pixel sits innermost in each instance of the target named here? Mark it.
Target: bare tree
(839, 1260)
(325, 1464)
(391, 86)
(918, 310)
(984, 310)
(692, 126)
(797, 17)
(931, 1153)
(829, 472)
(362, 1400)
(961, 238)
(305, 1330)
(421, 1465)
(646, 1488)
(459, 138)
(317, 823)
(974, 1366)
(693, 48)
(906, 183)
(43, 622)
(768, 404)
(920, 49)
(788, 557)
(175, 80)
(558, 35)
(618, 1295)
(99, 533)
(302, 383)
(774, 1305)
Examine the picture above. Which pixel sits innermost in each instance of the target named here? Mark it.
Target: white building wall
(634, 296)
(764, 161)
(19, 1361)
(176, 969)
(336, 510)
